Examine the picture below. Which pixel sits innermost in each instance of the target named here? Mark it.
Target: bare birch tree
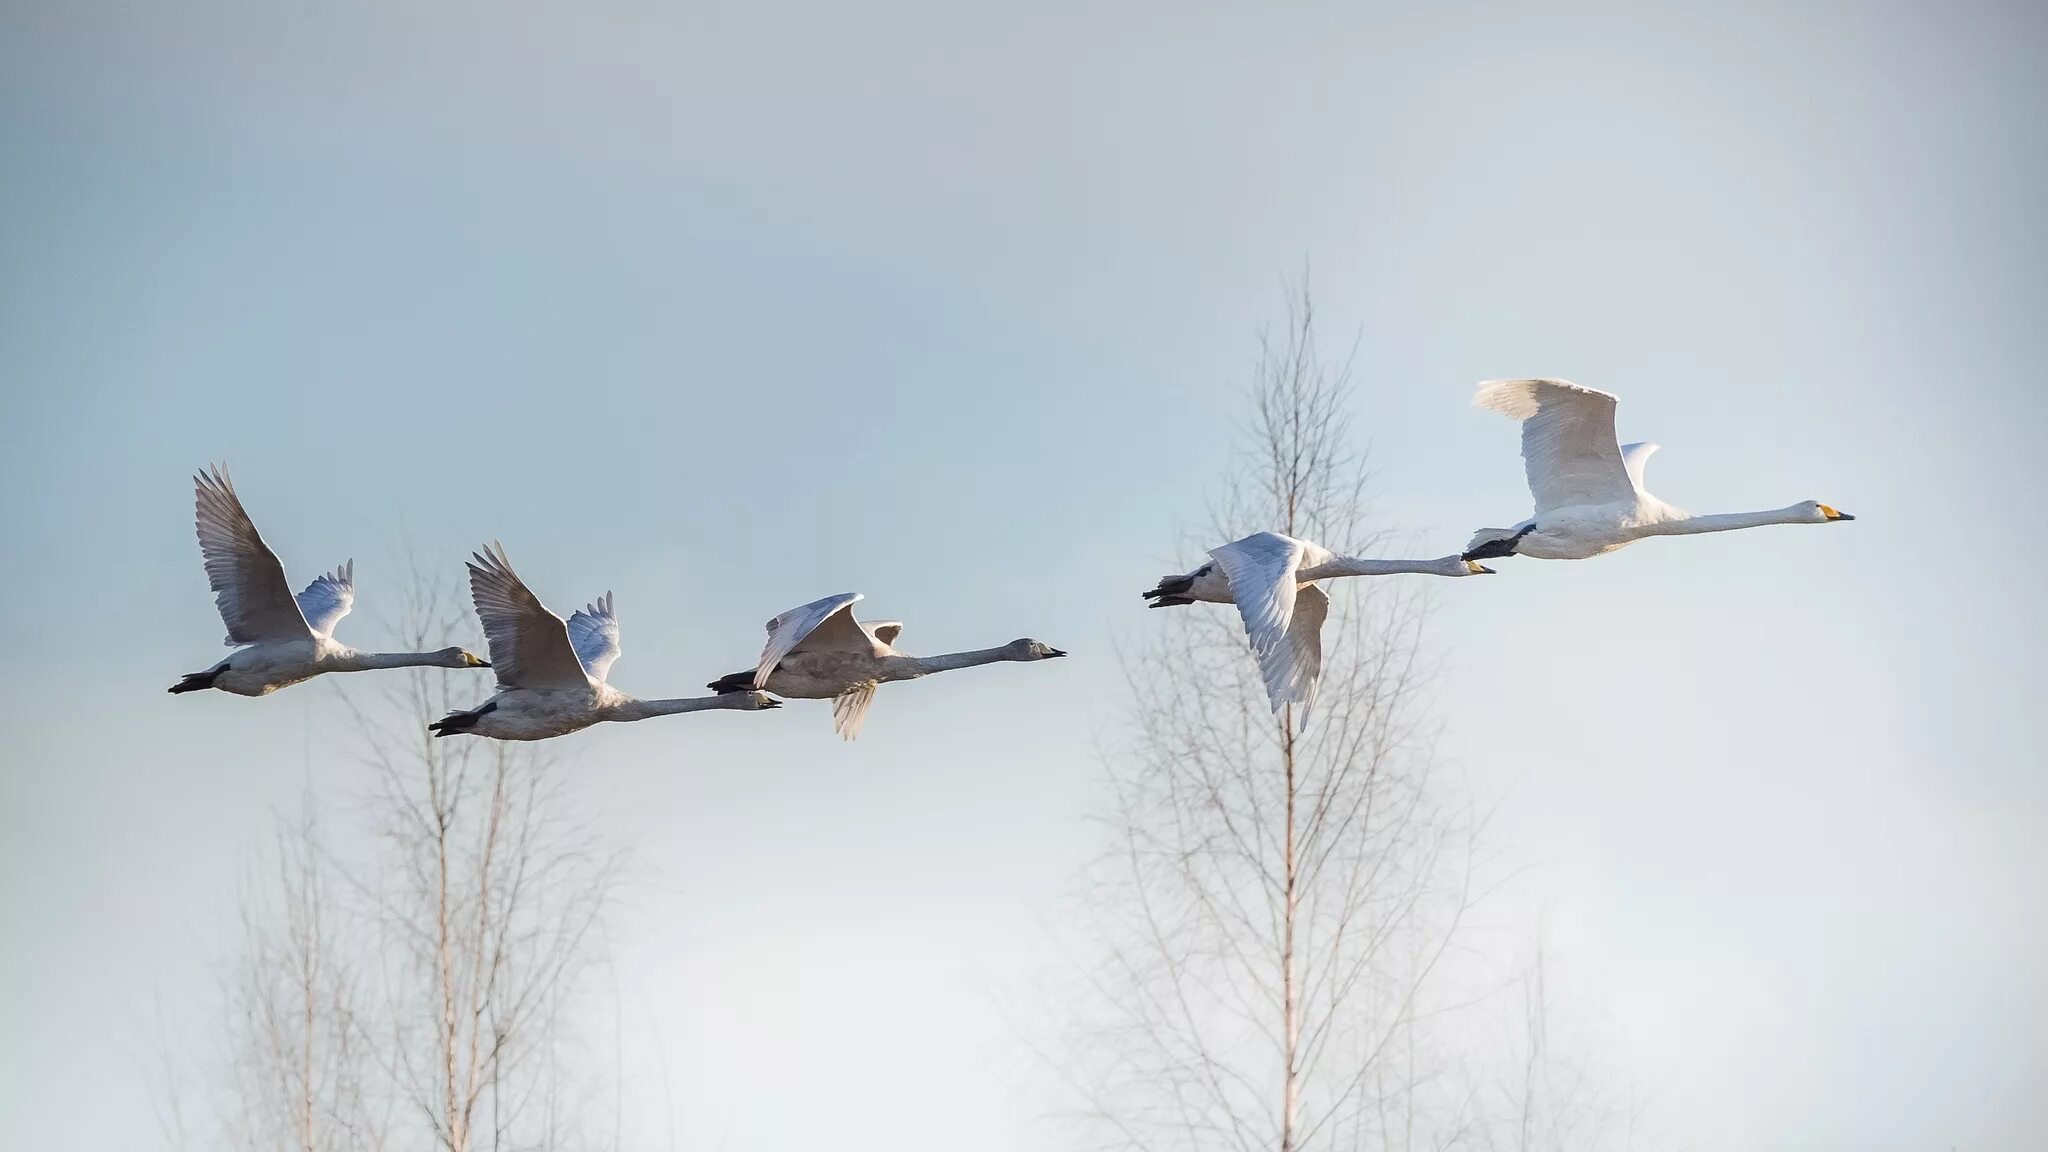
(299, 1066)
(1279, 892)
(486, 899)
(413, 987)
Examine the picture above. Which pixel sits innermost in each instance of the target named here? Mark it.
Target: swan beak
(1052, 653)
(1475, 568)
(475, 661)
(1834, 513)
(771, 702)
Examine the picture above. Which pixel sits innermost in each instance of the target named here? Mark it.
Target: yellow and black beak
(1475, 568)
(476, 661)
(1834, 513)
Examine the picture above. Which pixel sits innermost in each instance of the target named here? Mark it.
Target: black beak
(484, 664)
(772, 703)
(1841, 516)
(1054, 652)
(1484, 571)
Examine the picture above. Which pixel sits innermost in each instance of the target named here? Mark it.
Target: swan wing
(883, 631)
(594, 633)
(327, 599)
(247, 581)
(529, 645)
(1305, 642)
(821, 626)
(1568, 445)
(850, 708)
(1635, 457)
(1261, 570)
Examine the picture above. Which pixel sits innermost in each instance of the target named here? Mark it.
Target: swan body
(1589, 492)
(280, 639)
(1273, 581)
(551, 672)
(818, 651)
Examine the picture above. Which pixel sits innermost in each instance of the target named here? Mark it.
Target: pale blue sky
(727, 307)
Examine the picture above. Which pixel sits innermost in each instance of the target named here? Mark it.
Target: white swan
(285, 639)
(819, 652)
(1271, 578)
(550, 673)
(1589, 490)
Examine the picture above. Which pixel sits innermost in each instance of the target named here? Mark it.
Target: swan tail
(455, 722)
(736, 682)
(196, 681)
(1495, 543)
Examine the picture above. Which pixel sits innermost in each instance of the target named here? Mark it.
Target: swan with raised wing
(280, 639)
(1272, 580)
(1589, 491)
(551, 672)
(820, 652)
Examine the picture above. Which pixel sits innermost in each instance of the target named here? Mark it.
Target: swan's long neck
(371, 661)
(910, 667)
(1359, 566)
(631, 710)
(1684, 525)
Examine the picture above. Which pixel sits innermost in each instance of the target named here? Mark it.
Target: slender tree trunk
(1290, 1099)
(457, 1138)
(1290, 1025)
(306, 1058)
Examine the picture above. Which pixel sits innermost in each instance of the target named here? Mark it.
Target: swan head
(1819, 513)
(1029, 649)
(460, 657)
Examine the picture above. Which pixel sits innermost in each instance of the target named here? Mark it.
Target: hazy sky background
(726, 307)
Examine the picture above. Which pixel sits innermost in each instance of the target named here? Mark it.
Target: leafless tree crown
(417, 992)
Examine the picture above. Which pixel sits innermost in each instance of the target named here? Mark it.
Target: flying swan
(551, 674)
(282, 639)
(819, 652)
(1589, 491)
(1272, 580)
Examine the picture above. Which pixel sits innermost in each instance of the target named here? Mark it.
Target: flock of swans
(551, 672)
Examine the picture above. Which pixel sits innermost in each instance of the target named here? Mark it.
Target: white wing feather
(850, 708)
(1261, 569)
(248, 583)
(594, 633)
(328, 598)
(1568, 445)
(1635, 457)
(529, 645)
(1305, 641)
(820, 625)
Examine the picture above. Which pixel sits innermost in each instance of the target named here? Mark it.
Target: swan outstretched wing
(529, 645)
(821, 625)
(850, 708)
(248, 583)
(1568, 444)
(328, 598)
(1635, 457)
(594, 633)
(1261, 569)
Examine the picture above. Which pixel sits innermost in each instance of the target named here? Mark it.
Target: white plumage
(281, 639)
(1588, 488)
(818, 651)
(1272, 580)
(551, 672)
